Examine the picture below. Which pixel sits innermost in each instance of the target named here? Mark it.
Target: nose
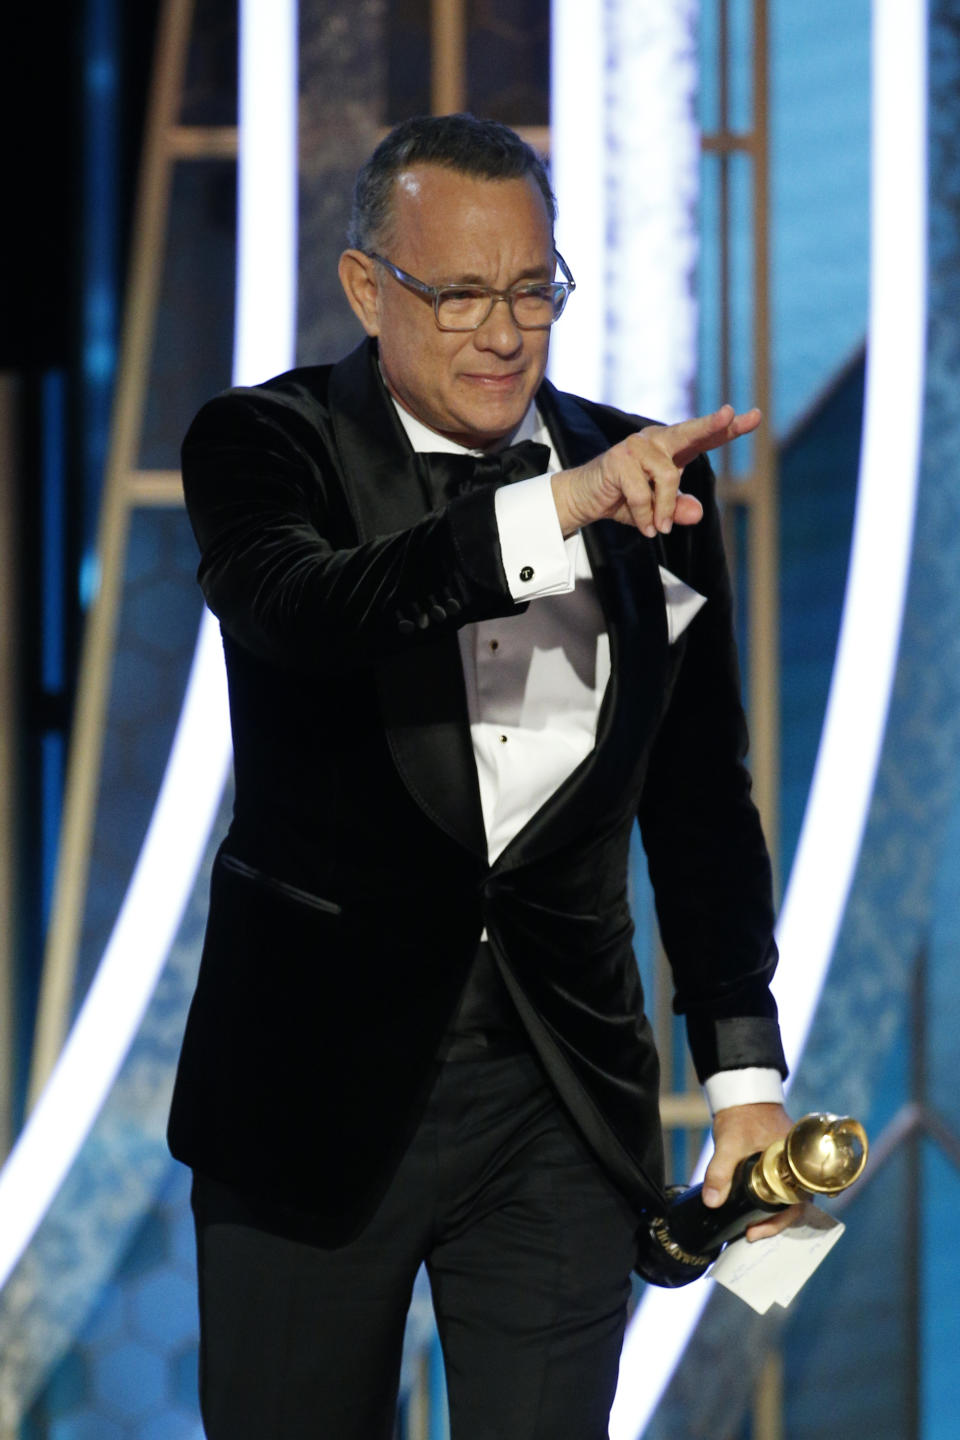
(499, 332)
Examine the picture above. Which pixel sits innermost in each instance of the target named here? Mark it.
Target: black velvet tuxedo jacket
(351, 891)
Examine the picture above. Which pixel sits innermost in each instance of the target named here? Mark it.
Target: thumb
(689, 511)
(716, 1183)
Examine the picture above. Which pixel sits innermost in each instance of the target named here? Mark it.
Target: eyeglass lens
(466, 309)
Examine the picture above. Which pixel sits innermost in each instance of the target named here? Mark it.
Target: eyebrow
(534, 272)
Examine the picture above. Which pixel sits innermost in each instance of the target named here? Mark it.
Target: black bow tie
(451, 475)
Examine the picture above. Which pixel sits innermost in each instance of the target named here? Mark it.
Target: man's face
(448, 228)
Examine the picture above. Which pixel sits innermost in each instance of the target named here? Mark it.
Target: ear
(358, 277)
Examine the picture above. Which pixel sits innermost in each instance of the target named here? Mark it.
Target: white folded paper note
(770, 1272)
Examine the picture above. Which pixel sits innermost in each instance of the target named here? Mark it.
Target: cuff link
(526, 573)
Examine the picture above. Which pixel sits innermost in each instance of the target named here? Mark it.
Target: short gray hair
(483, 148)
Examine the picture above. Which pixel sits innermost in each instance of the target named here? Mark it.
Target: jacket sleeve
(281, 565)
(708, 860)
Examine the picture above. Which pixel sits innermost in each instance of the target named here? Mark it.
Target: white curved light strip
(873, 608)
(166, 870)
(127, 973)
(879, 569)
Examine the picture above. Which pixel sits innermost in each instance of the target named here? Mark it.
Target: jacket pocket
(279, 887)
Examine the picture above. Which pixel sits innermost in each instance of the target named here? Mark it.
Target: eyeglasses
(466, 307)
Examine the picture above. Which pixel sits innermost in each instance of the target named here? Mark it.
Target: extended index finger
(690, 438)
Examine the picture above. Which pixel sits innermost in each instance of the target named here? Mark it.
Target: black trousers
(528, 1247)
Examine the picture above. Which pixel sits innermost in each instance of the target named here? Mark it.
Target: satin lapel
(421, 692)
(625, 570)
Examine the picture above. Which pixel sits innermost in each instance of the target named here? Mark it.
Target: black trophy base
(660, 1260)
(677, 1247)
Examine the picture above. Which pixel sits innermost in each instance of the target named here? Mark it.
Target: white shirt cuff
(754, 1085)
(536, 558)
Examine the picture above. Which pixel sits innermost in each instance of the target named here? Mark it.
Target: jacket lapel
(421, 692)
(625, 570)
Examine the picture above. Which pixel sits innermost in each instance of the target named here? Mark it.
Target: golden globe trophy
(820, 1155)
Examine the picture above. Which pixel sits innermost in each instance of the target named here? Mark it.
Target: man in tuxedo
(474, 629)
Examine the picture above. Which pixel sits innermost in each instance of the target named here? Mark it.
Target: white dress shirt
(535, 681)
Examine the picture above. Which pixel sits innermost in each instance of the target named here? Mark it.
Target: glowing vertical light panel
(866, 654)
(625, 168)
(265, 327)
(653, 182)
(166, 870)
(578, 59)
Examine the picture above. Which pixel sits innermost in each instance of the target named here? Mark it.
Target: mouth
(495, 384)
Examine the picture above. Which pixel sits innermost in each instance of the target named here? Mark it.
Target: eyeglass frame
(437, 292)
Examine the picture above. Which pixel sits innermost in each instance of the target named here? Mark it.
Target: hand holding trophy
(821, 1155)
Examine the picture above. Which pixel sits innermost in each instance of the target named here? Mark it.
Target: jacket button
(526, 573)
(405, 626)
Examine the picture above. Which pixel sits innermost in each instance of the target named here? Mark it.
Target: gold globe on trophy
(820, 1155)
